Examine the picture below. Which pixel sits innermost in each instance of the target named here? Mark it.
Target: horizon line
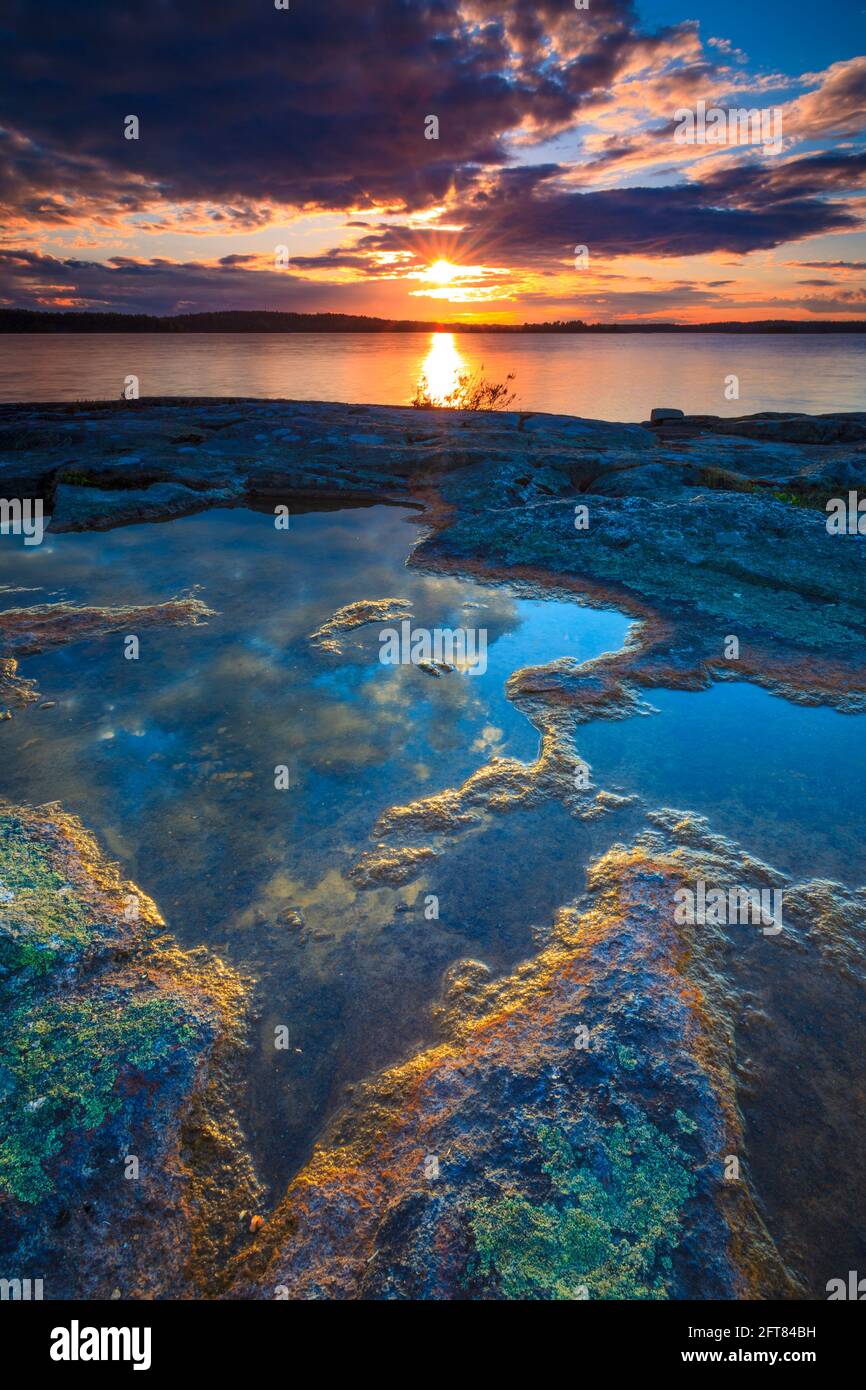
(18, 320)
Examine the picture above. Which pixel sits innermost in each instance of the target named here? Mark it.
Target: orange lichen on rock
(390, 867)
(329, 637)
(28, 631)
(399, 1195)
(25, 631)
(131, 1048)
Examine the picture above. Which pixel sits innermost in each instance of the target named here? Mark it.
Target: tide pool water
(786, 780)
(170, 760)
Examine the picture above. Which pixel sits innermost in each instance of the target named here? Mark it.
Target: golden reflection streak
(441, 368)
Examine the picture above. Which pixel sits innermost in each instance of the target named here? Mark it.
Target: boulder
(120, 1153)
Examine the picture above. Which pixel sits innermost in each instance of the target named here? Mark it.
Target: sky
(451, 160)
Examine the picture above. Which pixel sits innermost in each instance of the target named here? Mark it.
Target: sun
(442, 272)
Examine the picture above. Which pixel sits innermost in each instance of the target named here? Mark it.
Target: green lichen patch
(69, 1064)
(113, 1042)
(606, 1232)
(42, 917)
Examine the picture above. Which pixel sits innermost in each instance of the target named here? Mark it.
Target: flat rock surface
(111, 1047)
(506, 1161)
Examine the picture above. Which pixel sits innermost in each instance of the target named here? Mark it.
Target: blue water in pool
(170, 760)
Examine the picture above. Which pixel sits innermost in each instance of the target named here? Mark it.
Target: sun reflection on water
(441, 368)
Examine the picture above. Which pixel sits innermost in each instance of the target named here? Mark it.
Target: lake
(609, 378)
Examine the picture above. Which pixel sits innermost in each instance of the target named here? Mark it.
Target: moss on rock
(603, 1234)
(114, 1045)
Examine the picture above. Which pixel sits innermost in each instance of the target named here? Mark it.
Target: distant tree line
(273, 321)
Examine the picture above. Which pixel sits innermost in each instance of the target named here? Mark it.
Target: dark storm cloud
(246, 110)
(320, 104)
(529, 221)
(754, 184)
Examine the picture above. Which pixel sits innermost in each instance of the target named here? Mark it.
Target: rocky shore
(712, 526)
(122, 1168)
(514, 1158)
(566, 1138)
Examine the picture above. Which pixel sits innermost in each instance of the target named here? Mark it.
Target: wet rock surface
(513, 1159)
(122, 1166)
(330, 636)
(566, 1139)
(572, 1134)
(44, 626)
(720, 527)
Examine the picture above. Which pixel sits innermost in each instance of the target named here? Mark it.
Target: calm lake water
(600, 377)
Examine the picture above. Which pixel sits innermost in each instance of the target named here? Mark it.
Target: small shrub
(471, 392)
